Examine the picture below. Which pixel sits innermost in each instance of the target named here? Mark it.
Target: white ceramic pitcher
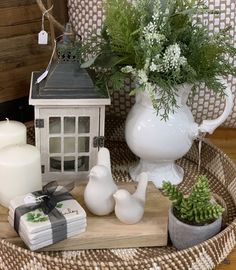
(159, 143)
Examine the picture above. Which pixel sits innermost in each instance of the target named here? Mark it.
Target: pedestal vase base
(158, 172)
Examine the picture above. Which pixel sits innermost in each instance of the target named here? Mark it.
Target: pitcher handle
(210, 125)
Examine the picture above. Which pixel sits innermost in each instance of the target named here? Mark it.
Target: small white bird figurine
(98, 194)
(129, 208)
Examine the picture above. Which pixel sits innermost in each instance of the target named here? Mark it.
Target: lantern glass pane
(55, 164)
(69, 164)
(84, 124)
(83, 163)
(55, 145)
(69, 145)
(83, 144)
(54, 125)
(69, 124)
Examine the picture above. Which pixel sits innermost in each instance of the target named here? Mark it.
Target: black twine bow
(50, 196)
(47, 199)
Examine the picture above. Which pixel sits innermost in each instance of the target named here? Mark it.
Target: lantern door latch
(98, 141)
(39, 123)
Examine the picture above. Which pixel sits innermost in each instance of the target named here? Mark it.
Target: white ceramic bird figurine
(98, 194)
(129, 208)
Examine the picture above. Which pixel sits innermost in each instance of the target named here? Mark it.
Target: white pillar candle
(20, 171)
(12, 132)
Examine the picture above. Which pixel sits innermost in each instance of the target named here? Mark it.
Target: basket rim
(231, 227)
(62, 260)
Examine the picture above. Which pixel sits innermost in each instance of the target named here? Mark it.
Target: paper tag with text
(43, 37)
(29, 198)
(42, 77)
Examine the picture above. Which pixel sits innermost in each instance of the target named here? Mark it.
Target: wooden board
(108, 231)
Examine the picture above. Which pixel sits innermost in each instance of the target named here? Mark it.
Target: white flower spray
(158, 58)
(172, 59)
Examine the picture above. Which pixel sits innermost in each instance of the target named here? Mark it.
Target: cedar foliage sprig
(125, 41)
(198, 207)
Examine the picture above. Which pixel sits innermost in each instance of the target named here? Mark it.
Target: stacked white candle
(36, 229)
(12, 132)
(20, 168)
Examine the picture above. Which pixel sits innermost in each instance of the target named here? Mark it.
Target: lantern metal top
(66, 82)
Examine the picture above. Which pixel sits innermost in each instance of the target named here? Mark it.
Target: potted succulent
(195, 218)
(167, 50)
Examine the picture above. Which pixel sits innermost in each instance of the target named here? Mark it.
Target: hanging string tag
(43, 76)
(200, 137)
(43, 35)
(45, 73)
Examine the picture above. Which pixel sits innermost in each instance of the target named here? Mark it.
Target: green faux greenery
(198, 207)
(36, 217)
(59, 205)
(159, 43)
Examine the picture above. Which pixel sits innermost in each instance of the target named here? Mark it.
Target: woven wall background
(87, 16)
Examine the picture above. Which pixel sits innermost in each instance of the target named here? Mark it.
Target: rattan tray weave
(222, 175)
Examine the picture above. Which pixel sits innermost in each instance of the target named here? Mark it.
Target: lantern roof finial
(69, 47)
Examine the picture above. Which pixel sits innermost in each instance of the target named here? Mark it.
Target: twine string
(43, 16)
(45, 73)
(200, 138)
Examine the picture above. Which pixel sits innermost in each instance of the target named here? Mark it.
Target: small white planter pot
(185, 236)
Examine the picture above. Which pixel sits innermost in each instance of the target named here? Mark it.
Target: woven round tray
(221, 172)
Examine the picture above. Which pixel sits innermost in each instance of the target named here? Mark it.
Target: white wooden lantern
(69, 120)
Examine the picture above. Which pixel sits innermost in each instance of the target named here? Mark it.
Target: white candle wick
(7, 120)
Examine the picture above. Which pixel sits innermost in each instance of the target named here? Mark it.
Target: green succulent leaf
(196, 208)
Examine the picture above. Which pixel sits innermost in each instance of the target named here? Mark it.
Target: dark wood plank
(18, 87)
(8, 45)
(16, 62)
(22, 29)
(21, 50)
(20, 54)
(19, 15)
(15, 3)
(60, 11)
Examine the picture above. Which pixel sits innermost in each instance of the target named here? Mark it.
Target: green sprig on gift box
(59, 205)
(36, 217)
(197, 208)
(159, 43)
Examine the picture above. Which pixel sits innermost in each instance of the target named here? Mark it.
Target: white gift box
(38, 230)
